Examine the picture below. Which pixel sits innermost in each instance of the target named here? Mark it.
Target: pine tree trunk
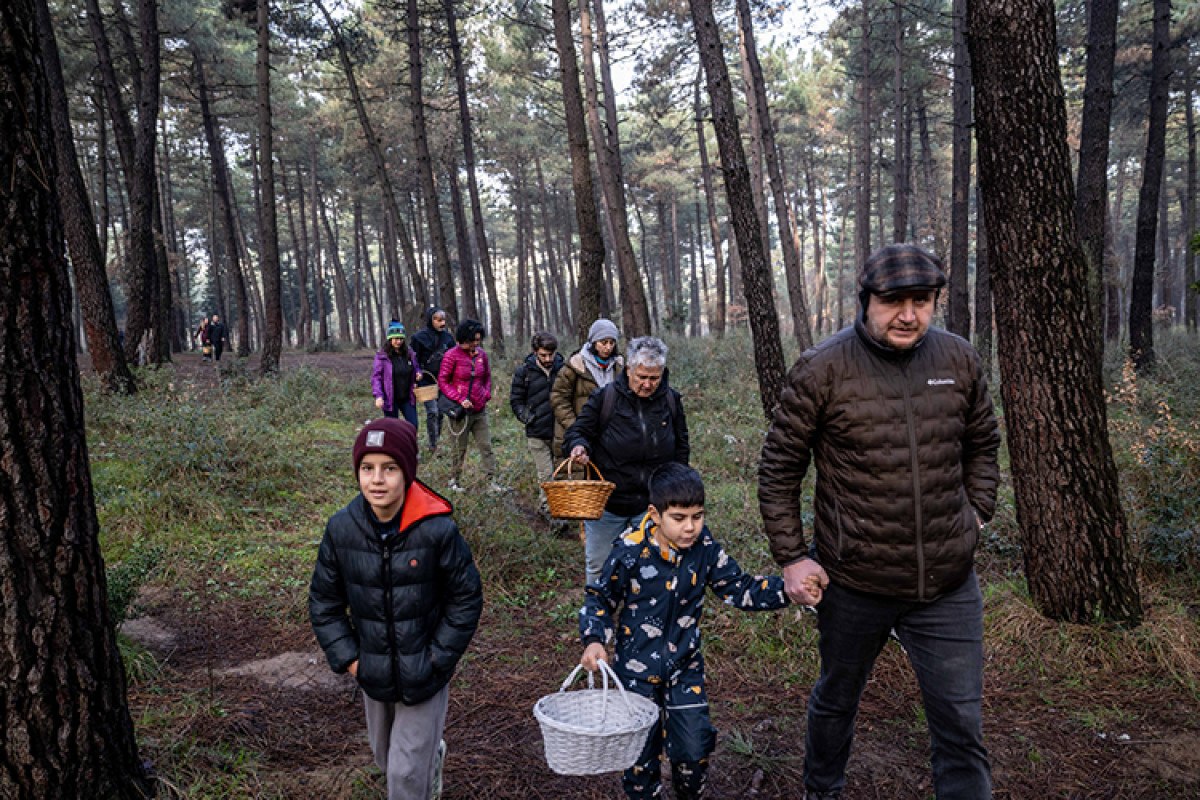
(1141, 300)
(983, 289)
(496, 329)
(1191, 291)
(900, 170)
(272, 329)
(341, 290)
(764, 322)
(862, 145)
(559, 280)
(63, 709)
(591, 244)
(1074, 535)
(87, 257)
(958, 305)
(717, 324)
(791, 259)
(433, 214)
(1091, 195)
(304, 313)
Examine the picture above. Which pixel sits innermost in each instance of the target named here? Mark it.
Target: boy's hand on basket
(579, 455)
(592, 655)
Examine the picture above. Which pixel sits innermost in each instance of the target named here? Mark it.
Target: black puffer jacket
(404, 607)
(905, 447)
(530, 396)
(430, 345)
(641, 434)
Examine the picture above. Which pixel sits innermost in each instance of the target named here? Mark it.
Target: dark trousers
(944, 643)
(408, 411)
(684, 731)
(433, 422)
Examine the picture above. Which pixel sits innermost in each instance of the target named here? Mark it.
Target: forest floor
(232, 697)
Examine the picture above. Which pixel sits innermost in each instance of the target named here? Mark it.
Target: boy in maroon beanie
(395, 599)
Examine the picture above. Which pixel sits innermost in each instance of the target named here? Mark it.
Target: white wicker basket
(591, 731)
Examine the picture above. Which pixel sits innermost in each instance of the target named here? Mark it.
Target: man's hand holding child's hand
(805, 582)
(592, 655)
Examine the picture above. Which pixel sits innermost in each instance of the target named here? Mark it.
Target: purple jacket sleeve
(378, 378)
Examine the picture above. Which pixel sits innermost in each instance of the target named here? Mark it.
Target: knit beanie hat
(602, 329)
(394, 437)
(396, 330)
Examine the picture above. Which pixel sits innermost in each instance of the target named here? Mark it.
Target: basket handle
(605, 671)
(566, 462)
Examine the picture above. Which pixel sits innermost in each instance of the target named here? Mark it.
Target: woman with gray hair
(628, 428)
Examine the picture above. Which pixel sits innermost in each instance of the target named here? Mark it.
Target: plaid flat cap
(899, 267)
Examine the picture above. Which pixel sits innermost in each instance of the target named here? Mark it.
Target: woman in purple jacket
(395, 375)
(466, 379)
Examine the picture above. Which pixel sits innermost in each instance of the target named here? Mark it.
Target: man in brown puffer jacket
(898, 419)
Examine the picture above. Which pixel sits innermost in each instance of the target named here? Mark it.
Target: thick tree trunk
(787, 242)
(496, 330)
(1075, 539)
(983, 290)
(1091, 196)
(764, 323)
(433, 214)
(591, 244)
(87, 257)
(1141, 300)
(63, 710)
(934, 228)
(958, 305)
(268, 259)
(900, 149)
(717, 324)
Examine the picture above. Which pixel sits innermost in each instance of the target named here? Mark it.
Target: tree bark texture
(87, 257)
(268, 262)
(591, 244)
(756, 274)
(1141, 296)
(717, 323)
(862, 145)
(63, 710)
(901, 139)
(1191, 291)
(958, 306)
(1075, 538)
(1091, 195)
(433, 214)
(787, 242)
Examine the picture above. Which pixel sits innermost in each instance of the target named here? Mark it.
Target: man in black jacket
(395, 599)
(430, 344)
(529, 397)
(218, 334)
(628, 428)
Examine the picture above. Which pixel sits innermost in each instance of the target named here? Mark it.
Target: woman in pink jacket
(465, 378)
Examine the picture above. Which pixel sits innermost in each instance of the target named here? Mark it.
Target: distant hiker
(650, 600)
(628, 428)
(203, 336)
(430, 344)
(465, 380)
(395, 599)
(530, 401)
(394, 376)
(593, 366)
(897, 418)
(218, 335)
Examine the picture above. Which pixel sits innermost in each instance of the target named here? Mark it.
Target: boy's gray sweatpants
(405, 740)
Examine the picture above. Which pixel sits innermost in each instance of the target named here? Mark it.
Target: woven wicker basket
(591, 731)
(577, 499)
(426, 393)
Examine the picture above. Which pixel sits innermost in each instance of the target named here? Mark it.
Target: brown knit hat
(900, 267)
(394, 437)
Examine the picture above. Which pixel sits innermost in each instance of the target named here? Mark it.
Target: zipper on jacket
(387, 613)
(918, 524)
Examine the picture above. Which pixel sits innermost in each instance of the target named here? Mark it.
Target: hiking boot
(453, 486)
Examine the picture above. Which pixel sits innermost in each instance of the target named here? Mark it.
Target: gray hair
(647, 351)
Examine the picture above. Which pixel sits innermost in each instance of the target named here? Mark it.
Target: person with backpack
(529, 398)
(629, 428)
(430, 345)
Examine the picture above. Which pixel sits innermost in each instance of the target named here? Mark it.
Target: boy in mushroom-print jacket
(650, 599)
